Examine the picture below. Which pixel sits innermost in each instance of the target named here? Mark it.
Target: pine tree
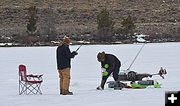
(103, 19)
(105, 26)
(128, 25)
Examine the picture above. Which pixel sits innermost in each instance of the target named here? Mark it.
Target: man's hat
(66, 40)
(101, 56)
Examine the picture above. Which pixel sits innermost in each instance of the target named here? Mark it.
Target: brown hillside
(79, 16)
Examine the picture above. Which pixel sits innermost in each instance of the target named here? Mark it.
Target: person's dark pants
(115, 73)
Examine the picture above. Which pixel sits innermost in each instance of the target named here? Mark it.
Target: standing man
(110, 64)
(64, 57)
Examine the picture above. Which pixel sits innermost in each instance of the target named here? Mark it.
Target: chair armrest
(36, 76)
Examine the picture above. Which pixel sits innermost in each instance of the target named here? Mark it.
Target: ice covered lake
(86, 75)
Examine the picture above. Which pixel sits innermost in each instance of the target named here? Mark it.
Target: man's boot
(118, 85)
(70, 92)
(101, 87)
(66, 92)
(60, 91)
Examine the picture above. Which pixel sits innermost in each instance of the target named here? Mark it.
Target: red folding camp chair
(29, 84)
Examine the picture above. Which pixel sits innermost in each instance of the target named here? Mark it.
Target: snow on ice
(86, 75)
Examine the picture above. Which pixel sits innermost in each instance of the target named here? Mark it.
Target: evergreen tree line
(107, 32)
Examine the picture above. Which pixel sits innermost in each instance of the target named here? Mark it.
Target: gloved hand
(105, 73)
(74, 53)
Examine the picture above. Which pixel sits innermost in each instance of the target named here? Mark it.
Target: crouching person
(110, 64)
(64, 56)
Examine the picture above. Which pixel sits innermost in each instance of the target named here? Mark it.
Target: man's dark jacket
(64, 56)
(112, 61)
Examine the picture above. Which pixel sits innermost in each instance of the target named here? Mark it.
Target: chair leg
(39, 90)
(22, 88)
(34, 89)
(19, 88)
(29, 88)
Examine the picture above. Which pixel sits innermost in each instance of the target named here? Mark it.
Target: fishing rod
(78, 48)
(136, 56)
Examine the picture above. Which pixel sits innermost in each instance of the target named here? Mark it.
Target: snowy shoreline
(52, 45)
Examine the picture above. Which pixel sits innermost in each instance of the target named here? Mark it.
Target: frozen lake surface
(86, 75)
